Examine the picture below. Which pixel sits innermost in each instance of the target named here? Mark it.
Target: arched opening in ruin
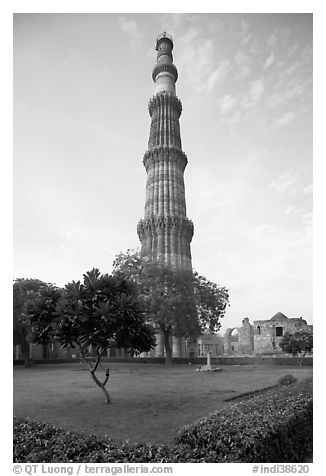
(234, 339)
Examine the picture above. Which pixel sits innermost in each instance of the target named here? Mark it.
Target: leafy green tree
(25, 292)
(130, 265)
(211, 302)
(101, 311)
(298, 343)
(169, 297)
(178, 302)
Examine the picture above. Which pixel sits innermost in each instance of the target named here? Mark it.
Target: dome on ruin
(278, 317)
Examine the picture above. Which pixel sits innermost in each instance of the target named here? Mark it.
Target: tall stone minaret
(165, 232)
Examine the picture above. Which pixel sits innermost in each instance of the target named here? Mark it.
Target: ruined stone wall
(263, 337)
(242, 342)
(268, 334)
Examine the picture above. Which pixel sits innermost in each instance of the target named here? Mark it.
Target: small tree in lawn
(98, 312)
(297, 344)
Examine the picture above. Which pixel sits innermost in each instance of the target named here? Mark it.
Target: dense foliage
(25, 292)
(272, 427)
(178, 302)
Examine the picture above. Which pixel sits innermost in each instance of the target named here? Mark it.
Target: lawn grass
(150, 402)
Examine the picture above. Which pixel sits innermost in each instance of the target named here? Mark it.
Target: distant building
(268, 334)
(263, 337)
(210, 343)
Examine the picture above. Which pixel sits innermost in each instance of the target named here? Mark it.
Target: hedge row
(272, 427)
(275, 426)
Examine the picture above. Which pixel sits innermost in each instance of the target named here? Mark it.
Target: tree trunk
(102, 387)
(28, 362)
(168, 349)
(93, 369)
(300, 358)
(24, 347)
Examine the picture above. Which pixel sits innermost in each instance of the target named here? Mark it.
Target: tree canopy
(25, 292)
(178, 302)
(211, 302)
(298, 343)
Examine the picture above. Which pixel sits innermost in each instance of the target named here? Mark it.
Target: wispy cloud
(269, 61)
(242, 60)
(172, 22)
(308, 189)
(285, 255)
(285, 119)
(195, 59)
(272, 39)
(292, 210)
(227, 103)
(245, 106)
(254, 95)
(218, 74)
(287, 183)
(274, 100)
(297, 87)
(131, 28)
(247, 39)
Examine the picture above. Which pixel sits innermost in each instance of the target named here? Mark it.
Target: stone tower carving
(165, 232)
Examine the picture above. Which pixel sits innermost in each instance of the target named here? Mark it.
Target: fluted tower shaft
(165, 232)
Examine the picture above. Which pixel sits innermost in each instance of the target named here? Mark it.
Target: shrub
(287, 380)
(273, 427)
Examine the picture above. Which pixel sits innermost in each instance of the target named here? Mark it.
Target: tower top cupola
(164, 41)
(164, 74)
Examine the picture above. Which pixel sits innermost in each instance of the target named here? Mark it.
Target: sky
(82, 83)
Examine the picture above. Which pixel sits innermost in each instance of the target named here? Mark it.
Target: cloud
(275, 99)
(226, 103)
(285, 254)
(244, 28)
(298, 87)
(235, 118)
(170, 21)
(292, 68)
(196, 62)
(308, 189)
(272, 40)
(242, 60)
(285, 119)
(131, 28)
(286, 183)
(269, 61)
(293, 210)
(218, 74)
(292, 49)
(255, 92)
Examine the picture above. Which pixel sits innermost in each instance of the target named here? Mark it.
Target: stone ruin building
(261, 337)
